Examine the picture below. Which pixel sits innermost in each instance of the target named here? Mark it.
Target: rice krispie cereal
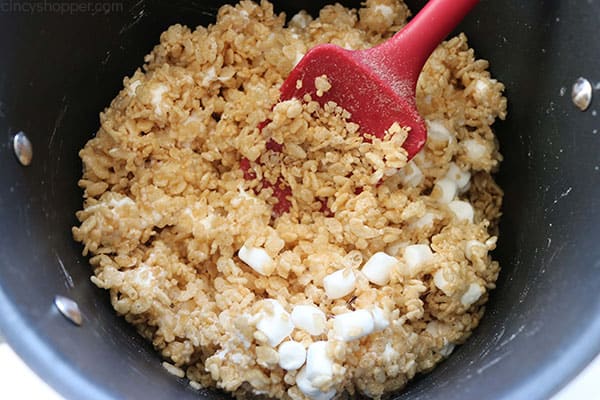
(380, 267)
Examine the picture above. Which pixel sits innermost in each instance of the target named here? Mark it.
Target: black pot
(543, 321)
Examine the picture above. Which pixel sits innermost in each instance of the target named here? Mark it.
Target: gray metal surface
(543, 321)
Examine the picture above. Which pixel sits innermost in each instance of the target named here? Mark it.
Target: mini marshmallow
(380, 320)
(386, 11)
(396, 248)
(411, 175)
(389, 353)
(274, 322)
(291, 355)
(445, 190)
(447, 350)
(309, 318)
(443, 279)
(425, 221)
(257, 259)
(491, 243)
(353, 325)
(157, 96)
(319, 366)
(379, 267)
(437, 132)
(131, 91)
(339, 284)
(474, 245)
(463, 210)
(437, 329)
(309, 390)
(474, 149)
(440, 281)
(459, 176)
(481, 87)
(300, 20)
(141, 276)
(417, 255)
(472, 294)
(209, 76)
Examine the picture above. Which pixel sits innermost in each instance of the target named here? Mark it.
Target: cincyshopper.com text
(59, 7)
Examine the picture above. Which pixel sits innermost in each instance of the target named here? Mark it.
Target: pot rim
(30, 344)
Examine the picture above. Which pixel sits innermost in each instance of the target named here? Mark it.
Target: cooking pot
(60, 66)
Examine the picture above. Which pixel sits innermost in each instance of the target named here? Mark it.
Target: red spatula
(378, 85)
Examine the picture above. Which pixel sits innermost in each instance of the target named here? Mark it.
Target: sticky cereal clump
(322, 85)
(178, 210)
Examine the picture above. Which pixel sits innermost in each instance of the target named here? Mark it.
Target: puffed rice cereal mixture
(379, 269)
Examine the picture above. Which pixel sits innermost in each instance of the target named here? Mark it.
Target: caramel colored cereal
(178, 209)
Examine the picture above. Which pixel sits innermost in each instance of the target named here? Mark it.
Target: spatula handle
(406, 52)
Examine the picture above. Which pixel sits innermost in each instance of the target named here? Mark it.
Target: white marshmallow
(437, 132)
(319, 366)
(301, 20)
(157, 96)
(131, 91)
(447, 350)
(417, 255)
(339, 284)
(425, 221)
(481, 87)
(440, 281)
(491, 243)
(474, 149)
(396, 248)
(445, 189)
(309, 389)
(462, 210)
(389, 353)
(292, 355)
(257, 259)
(209, 76)
(274, 322)
(379, 267)
(459, 176)
(120, 203)
(472, 294)
(309, 318)
(353, 325)
(474, 245)
(386, 11)
(141, 276)
(436, 329)
(411, 175)
(380, 320)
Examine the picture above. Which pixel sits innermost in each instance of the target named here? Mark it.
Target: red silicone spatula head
(377, 86)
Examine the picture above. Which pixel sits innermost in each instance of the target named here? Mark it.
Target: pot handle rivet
(582, 94)
(69, 309)
(23, 148)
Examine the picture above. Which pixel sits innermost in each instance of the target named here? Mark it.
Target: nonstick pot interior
(543, 321)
